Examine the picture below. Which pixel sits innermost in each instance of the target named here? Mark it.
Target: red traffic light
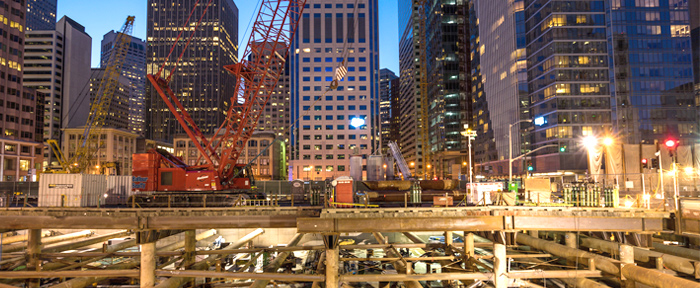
(644, 161)
(670, 143)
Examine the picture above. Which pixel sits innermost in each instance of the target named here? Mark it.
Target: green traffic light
(530, 168)
(562, 149)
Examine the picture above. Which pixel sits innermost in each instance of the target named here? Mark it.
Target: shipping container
(71, 190)
(118, 190)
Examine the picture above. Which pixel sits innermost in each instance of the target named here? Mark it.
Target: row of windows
(337, 98)
(330, 147)
(330, 127)
(331, 69)
(330, 59)
(339, 137)
(329, 6)
(329, 78)
(340, 88)
(337, 107)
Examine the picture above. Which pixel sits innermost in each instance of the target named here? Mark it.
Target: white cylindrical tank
(375, 169)
(356, 167)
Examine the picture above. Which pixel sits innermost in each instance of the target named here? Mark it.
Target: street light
(510, 149)
(470, 134)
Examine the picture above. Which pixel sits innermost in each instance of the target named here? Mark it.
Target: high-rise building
(134, 68)
(651, 71)
(498, 55)
(386, 77)
(20, 107)
(411, 142)
(118, 115)
(394, 112)
(203, 86)
(275, 118)
(57, 66)
(335, 124)
(694, 9)
(447, 64)
(41, 14)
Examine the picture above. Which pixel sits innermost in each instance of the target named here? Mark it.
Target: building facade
(41, 14)
(386, 78)
(117, 147)
(263, 151)
(499, 55)
(201, 83)
(20, 107)
(118, 114)
(334, 124)
(57, 66)
(447, 64)
(411, 141)
(134, 68)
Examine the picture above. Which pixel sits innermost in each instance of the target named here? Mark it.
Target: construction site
(172, 224)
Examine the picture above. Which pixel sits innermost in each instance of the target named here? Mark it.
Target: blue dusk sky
(101, 16)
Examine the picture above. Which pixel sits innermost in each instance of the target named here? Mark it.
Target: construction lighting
(688, 170)
(608, 141)
(589, 142)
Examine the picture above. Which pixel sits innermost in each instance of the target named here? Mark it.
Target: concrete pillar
(627, 257)
(148, 265)
(33, 250)
(448, 240)
(190, 246)
(571, 241)
(534, 233)
(500, 266)
(332, 256)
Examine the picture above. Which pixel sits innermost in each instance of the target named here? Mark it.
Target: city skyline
(97, 23)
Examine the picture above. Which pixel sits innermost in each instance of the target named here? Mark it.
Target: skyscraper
(651, 70)
(56, 65)
(386, 77)
(20, 107)
(200, 82)
(134, 69)
(41, 14)
(447, 64)
(334, 124)
(499, 56)
(118, 115)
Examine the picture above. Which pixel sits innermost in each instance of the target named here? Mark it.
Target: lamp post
(589, 142)
(470, 134)
(510, 150)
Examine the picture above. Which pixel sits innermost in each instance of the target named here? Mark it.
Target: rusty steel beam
(240, 275)
(277, 262)
(674, 263)
(83, 243)
(49, 240)
(73, 273)
(414, 277)
(678, 251)
(645, 276)
(22, 237)
(68, 222)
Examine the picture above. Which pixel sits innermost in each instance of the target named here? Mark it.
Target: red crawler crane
(257, 73)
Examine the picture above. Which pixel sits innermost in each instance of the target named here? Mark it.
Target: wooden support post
(148, 265)
(33, 251)
(190, 246)
(500, 264)
(627, 258)
(571, 241)
(332, 255)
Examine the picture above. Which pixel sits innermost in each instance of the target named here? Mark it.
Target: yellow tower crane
(90, 140)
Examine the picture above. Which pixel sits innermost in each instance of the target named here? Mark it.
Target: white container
(71, 190)
(356, 168)
(118, 190)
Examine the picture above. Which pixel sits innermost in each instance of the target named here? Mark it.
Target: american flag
(340, 71)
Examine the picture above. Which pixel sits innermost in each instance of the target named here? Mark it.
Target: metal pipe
(414, 277)
(48, 240)
(678, 251)
(83, 243)
(645, 276)
(674, 263)
(22, 237)
(209, 261)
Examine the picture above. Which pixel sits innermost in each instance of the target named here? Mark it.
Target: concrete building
(386, 78)
(201, 83)
(21, 108)
(276, 117)
(499, 55)
(411, 142)
(117, 147)
(267, 164)
(449, 106)
(134, 68)
(333, 125)
(41, 14)
(395, 111)
(119, 110)
(57, 66)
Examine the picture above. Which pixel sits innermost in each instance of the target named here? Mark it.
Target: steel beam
(22, 237)
(414, 277)
(48, 240)
(66, 274)
(272, 267)
(83, 243)
(240, 275)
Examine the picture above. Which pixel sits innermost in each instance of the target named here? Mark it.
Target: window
(363, 136)
(329, 98)
(351, 98)
(329, 117)
(317, 78)
(329, 69)
(362, 69)
(329, 107)
(306, 59)
(307, 117)
(24, 165)
(329, 168)
(306, 88)
(341, 147)
(341, 137)
(341, 167)
(363, 107)
(329, 59)
(307, 157)
(317, 117)
(340, 98)
(318, 157)
(362, 59)
(306, 69)
(329, 137)
(329, 127)
(317, 59)
(340, 107)
(306, 108)
(10, 148)
(363, 88)
(307, 137)
(307, 147)
(351, 69)
(317, 108)
(317, 147)
(329, 78)
(317, 137)
(316, 69)
(306, 98)
(353, 137)
(317, 127)
(306, 127)
(341, 156)
(341, 127)
(340, 117)
(329, 156)
(351, 107)
(363, 146)
(363, 78)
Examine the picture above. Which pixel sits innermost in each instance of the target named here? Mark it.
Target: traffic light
(671, 144)
(562, 148)
(645, 163)
(529, 166)
(654, 163)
